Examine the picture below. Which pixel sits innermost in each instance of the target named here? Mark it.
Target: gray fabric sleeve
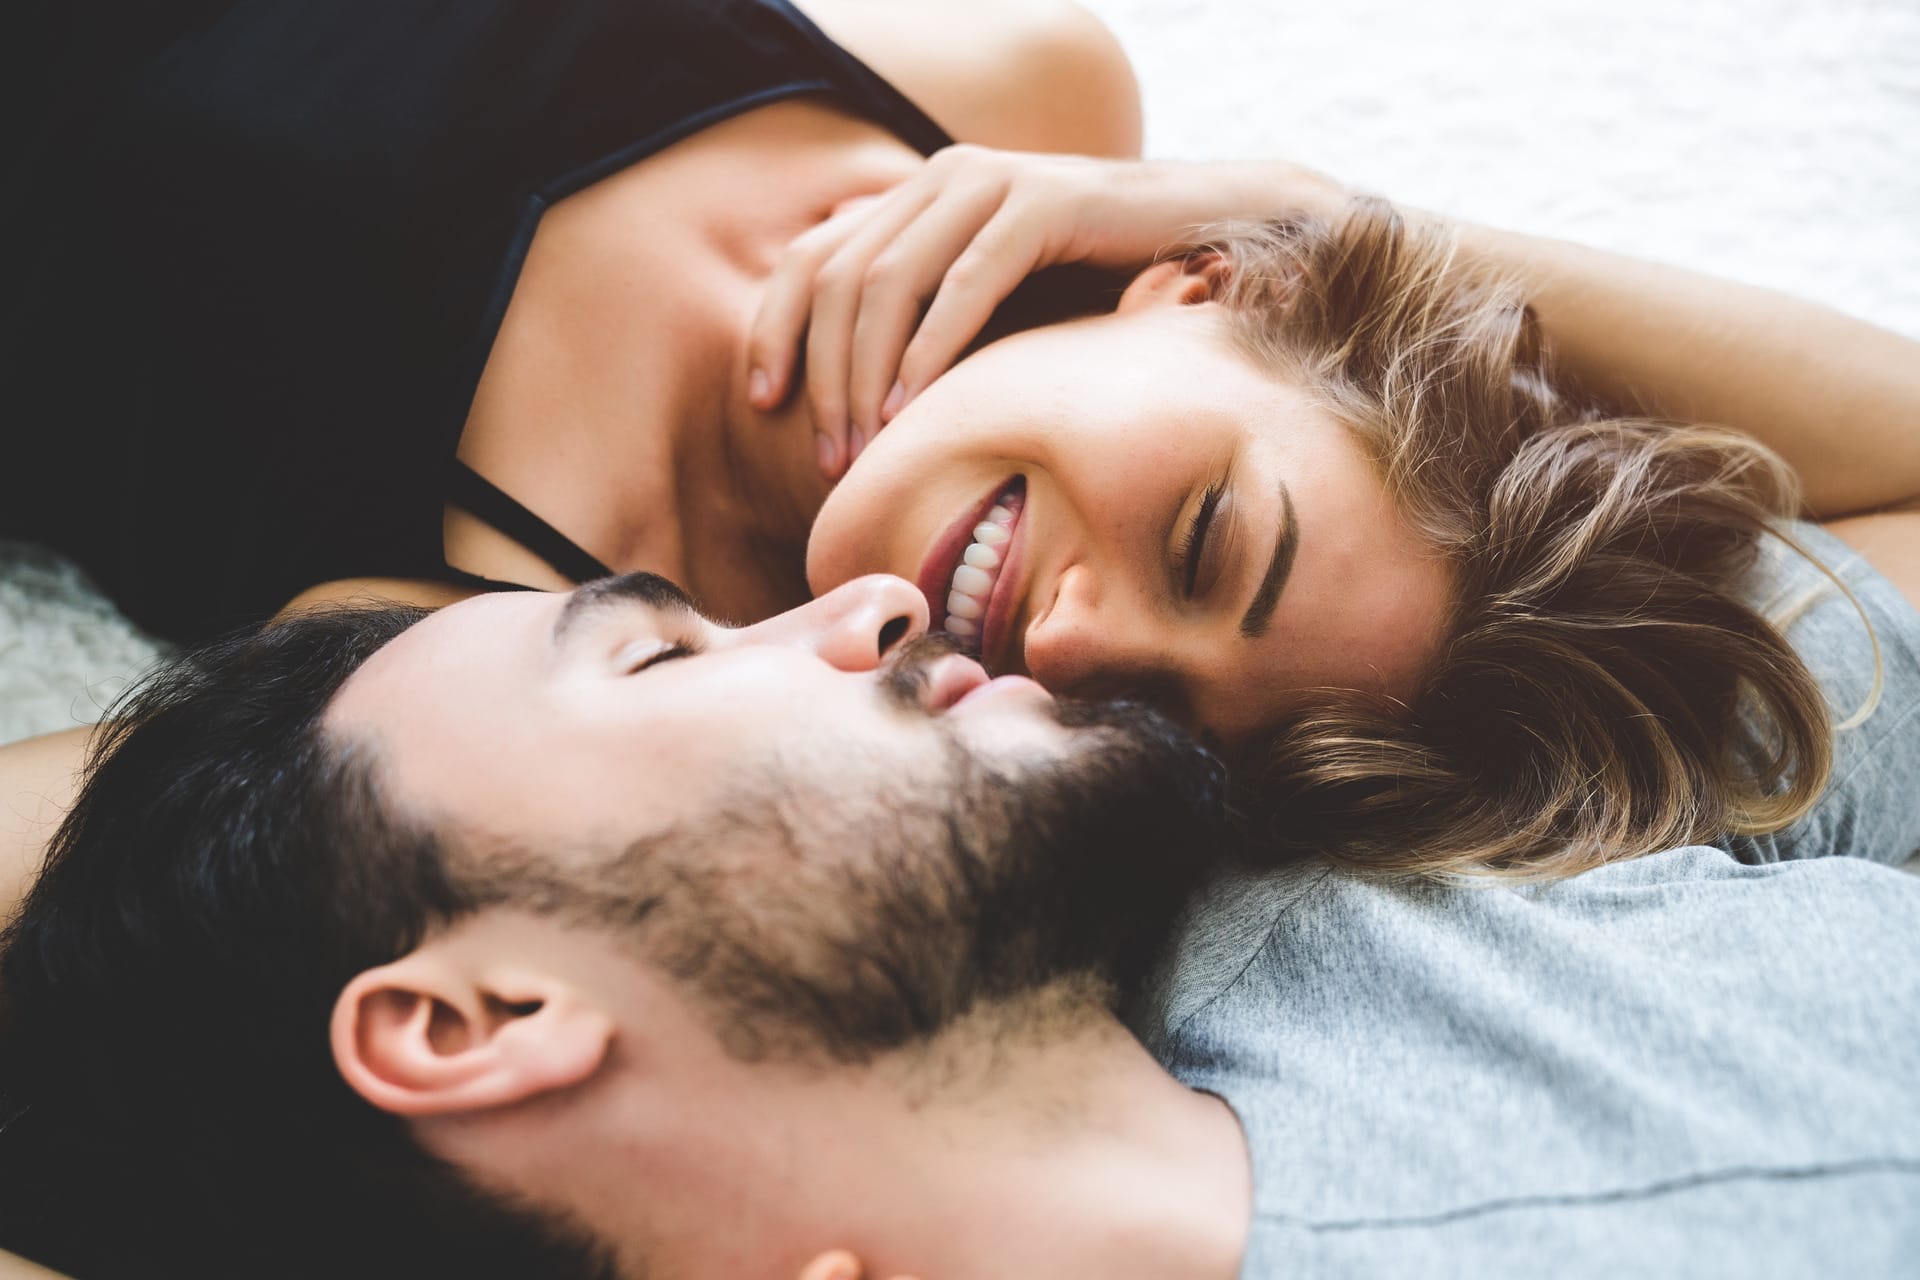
(1871, 807)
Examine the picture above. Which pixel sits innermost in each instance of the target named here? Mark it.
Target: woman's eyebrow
(1259, 614)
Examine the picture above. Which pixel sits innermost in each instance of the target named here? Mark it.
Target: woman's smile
(1108, 531)
(974, 591)
(958, 571)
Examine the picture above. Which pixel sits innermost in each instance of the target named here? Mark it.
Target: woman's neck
(747, 483)
(613, 402)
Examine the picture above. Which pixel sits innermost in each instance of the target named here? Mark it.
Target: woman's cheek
(827, 552)
(876, 510)
(853, 532)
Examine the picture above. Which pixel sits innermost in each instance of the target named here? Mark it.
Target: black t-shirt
(261, 249)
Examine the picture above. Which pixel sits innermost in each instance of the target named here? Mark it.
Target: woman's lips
(936, 571)
(1003, 604)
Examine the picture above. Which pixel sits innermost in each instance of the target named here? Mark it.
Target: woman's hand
(956, 239)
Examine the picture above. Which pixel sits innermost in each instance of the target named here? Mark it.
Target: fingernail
(757, 386)
(828, 454)
(856, 444)
(895, 398)
(841, 1270)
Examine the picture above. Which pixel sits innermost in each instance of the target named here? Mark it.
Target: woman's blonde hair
(1587, 700)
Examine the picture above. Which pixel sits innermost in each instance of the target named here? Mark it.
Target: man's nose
(852, 626)
(1087, 645)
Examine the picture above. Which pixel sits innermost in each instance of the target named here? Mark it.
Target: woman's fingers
(773, 340)
(1006, 251)
(897, 284)
(835, 1264)
(837, 291)
(882, 298)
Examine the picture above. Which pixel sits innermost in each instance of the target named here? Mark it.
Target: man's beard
(877, 907)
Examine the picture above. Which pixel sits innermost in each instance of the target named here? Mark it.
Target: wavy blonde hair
(1587, 702)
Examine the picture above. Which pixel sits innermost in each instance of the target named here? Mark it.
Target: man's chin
(1112, 837)
(1139, 722)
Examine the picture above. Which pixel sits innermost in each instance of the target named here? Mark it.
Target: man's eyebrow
(650, 589)
(1259, 614)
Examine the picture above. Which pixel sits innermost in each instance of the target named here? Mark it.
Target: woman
(372, 242)
(311, 220)
(1442, 616)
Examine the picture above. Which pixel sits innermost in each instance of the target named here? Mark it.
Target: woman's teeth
(979, 567)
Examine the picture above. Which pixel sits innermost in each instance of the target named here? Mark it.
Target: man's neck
(1078, 1156)
(1088, 1161)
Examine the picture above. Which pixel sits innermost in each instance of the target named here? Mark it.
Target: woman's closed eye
(1192, 552)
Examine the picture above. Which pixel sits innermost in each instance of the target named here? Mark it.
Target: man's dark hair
(225, 872)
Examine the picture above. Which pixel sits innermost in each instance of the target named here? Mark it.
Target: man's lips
(956, 678)
(949, 679)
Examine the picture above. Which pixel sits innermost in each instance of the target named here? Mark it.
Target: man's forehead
(499, 640)
(472, 732)
(470, 639)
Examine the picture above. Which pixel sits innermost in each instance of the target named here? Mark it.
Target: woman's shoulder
(1026, 75)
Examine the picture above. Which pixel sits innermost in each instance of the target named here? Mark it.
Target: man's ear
(429, 1035)
(1177, 282)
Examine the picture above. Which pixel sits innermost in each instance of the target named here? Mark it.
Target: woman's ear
(1177, 282)
(426, 1036)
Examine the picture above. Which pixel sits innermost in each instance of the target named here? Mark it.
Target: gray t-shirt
(1683, 1065)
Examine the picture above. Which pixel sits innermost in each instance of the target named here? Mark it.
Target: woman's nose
(853, 626)
(1088, 646)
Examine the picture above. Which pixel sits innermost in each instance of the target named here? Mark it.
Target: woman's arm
(13, 1267)
(417, 591)
(1026, 75)
(1890, 542)
(1838, 398)
(38, 780)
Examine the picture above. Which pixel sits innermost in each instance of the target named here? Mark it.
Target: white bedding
(1772, 141)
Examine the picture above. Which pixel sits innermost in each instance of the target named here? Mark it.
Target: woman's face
(1174, 523)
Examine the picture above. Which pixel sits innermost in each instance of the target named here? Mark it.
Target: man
(576, 935)
(609, 942)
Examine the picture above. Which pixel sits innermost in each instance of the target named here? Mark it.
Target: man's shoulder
(1851, 1218)
(1410, 1056)
(1256, 944)
(1218, 939)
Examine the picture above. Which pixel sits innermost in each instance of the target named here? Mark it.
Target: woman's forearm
(39, 779)
(13, 1267)
(1838, 398)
